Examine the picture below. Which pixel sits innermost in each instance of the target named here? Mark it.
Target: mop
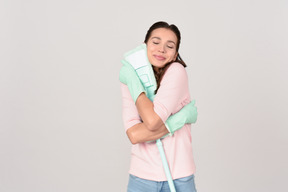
(138, 59)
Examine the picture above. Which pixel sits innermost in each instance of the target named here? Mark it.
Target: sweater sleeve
(129, 111)
(172, 92)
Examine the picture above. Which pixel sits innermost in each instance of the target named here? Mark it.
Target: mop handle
(165, 165)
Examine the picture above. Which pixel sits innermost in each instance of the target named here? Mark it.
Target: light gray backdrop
(60, 102)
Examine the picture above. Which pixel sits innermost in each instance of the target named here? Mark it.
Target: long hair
(161, 24)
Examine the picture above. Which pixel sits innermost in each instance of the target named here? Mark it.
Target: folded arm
(147, 122)
(136, 130)
(139, 133)
(129, 77)
(146, 111)
(173, 89)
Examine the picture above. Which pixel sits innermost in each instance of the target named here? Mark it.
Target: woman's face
(161, 47)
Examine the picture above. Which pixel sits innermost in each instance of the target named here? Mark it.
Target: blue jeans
(136, 184)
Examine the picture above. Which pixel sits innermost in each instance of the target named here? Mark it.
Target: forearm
(146, 111)
(139, 133)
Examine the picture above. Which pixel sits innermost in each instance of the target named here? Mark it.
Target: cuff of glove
(136, 95)
(168, 128)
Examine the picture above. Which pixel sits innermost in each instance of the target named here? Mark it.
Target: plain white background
(60, 102)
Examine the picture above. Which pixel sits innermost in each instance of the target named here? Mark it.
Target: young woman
(144, 120)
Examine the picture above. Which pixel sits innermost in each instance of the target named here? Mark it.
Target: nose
(161, 49)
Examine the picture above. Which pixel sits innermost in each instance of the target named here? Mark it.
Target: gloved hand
(129, 77)
(188, 114)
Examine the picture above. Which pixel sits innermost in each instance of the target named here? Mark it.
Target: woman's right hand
(129, 77)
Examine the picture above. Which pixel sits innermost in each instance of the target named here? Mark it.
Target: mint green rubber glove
(129, 77)
(188, 114)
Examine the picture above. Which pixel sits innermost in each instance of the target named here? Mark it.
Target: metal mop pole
(165, 165)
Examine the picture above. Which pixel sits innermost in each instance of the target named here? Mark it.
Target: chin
(159, 65)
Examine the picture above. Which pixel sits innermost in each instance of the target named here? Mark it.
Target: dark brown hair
(161, 24)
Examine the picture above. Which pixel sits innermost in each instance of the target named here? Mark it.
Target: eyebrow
(170, 41)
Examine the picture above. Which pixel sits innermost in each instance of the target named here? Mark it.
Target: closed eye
(170, 46)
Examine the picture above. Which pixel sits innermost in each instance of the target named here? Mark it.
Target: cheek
(175, 56)
(172, 56)
(149, 55)
(150, 50)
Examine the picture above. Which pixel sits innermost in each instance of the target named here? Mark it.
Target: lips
(159, 57)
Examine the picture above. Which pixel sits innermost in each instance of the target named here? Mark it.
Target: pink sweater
(172, 95)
